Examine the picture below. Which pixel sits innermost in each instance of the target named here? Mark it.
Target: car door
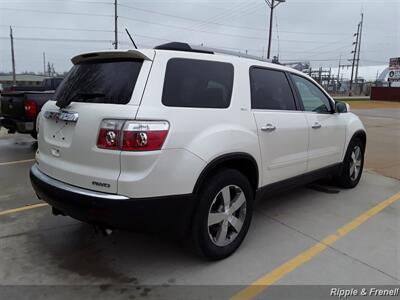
(282, 128)
(326, 129)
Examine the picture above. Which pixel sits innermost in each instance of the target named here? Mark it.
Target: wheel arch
(362, 135)
(243, 162)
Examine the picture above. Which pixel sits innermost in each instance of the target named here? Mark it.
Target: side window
(197, 83)
(312, 97)
(270, 89)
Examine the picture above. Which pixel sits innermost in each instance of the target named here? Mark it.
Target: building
(22, 79)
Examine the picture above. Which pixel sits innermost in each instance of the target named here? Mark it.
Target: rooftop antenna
(130, 37)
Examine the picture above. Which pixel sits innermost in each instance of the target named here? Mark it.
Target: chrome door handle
(316, 125)
(268, 127)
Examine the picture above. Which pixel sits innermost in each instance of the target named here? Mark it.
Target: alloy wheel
(355, 163)
(226, 215)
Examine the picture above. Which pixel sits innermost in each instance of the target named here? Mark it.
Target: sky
(319, 31)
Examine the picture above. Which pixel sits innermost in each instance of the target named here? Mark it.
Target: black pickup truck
(19, 106)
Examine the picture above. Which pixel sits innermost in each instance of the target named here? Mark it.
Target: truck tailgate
(12, 105)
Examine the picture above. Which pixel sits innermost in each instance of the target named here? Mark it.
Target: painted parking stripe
(27, 207)
(270, 278)
(16, 162)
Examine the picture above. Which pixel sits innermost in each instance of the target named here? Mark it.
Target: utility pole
(12, 57)
(272, 4)
(116, 24)
(44, 63)
(330, 75)
(354, 52)
(359, 46)
(320, 75)
(338, 74)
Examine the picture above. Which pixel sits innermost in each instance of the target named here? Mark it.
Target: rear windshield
(99, 82)
(197, 83)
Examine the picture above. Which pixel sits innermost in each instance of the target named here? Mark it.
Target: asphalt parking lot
(314, 235)
(383, 151)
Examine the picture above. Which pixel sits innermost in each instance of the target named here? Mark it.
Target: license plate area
(59, 127)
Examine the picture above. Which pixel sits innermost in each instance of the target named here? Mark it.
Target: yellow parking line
(14, 210)
(270, 278)
(16, 162)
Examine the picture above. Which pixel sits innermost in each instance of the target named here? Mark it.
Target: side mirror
(341, 107)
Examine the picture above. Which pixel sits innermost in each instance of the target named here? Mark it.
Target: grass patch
(368, 104)
(351, 99)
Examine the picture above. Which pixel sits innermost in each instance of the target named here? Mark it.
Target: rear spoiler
(138, 54)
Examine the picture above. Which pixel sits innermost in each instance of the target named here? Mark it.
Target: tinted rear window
(197, 83)
(99, 82)
(270, 89)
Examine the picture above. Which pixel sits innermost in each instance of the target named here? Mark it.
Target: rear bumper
(172, 213)
(17, 125)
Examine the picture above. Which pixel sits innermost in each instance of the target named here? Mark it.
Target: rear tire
(353, 165)
(223, 214)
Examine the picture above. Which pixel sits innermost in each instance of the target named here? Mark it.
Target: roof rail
(177, 46)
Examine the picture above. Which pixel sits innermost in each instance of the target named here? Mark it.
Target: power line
(153, 23)
(55, 12)
(213, 32)
(56, 39)
(188, 19)
(150, 11)
(242, 8)
(188, 29)
(85, 29)
(162, 14)
(167, 25)
(52, 1)
(59, 28)
(78, 40)
(214, 17)
(225, 25)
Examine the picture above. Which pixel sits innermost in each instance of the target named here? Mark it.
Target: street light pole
(272, 4)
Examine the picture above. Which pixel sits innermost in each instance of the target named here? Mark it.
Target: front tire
(223, 215)
(353, 165)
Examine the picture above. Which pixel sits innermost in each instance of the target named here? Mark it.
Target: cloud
(317, 30)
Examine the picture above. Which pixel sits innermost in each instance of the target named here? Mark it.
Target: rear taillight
(110, 134)
(144, 135)
(30, 107)
(132, 135)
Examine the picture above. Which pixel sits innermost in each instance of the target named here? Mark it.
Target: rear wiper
(84, 95)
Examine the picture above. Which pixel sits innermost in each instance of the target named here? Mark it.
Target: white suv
(184, 138)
